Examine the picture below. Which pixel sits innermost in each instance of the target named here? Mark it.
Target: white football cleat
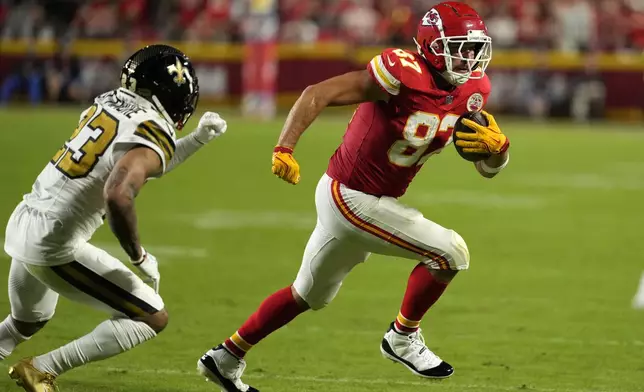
(411, 351)
(224, 369)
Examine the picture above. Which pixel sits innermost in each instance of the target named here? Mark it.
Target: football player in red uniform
(409, 105)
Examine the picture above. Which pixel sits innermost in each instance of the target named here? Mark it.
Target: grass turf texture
(556, 245)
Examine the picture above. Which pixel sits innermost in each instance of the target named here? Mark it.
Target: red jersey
(386, 143)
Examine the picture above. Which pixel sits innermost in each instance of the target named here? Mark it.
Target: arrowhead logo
(433, 18)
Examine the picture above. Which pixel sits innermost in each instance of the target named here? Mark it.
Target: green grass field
(556, 244)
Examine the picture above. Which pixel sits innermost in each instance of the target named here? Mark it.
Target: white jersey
(66, 206)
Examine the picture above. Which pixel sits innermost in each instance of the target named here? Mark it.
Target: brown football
(477, 117)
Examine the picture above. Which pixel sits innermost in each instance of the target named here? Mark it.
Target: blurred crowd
(567, 25)
(582, 26)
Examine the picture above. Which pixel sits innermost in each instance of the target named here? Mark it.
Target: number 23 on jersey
(78, 156)
(420, 130)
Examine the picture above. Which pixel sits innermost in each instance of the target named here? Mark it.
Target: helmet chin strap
(455, 78)
(162, 110)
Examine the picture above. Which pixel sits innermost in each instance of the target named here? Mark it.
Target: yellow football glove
(486, 140)
(285, 166)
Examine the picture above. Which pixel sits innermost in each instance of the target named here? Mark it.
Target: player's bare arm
(121, 188)
(347, 89)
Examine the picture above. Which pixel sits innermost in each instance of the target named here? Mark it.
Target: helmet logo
(433, 18)
(177, 70)
(181, 74)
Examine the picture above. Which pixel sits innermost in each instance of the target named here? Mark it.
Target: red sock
(423, 290)
(276, 311)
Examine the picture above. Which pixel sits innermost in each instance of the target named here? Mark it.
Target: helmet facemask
(452, 48)
(184, 106)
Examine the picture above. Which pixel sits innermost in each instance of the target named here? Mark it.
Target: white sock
(110, 338)
(10, 337)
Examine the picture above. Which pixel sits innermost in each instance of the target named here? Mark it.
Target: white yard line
(478, 200)
(591, 181)
(247, 219)
(163, 251)
(483, 338)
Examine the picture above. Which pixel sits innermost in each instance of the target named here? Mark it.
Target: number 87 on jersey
(428, 112)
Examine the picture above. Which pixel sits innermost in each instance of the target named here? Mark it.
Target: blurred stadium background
(564, 58)
(555, 240)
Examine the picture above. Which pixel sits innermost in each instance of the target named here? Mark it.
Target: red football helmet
(453, 39)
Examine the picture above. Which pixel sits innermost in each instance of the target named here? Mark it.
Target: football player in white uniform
(125, 138)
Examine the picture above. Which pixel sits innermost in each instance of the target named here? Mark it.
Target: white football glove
(211, 126)
(149, 266)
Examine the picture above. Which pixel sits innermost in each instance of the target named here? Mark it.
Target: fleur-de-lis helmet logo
(179, 72)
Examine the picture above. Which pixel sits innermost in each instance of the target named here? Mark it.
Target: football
(477, 117)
